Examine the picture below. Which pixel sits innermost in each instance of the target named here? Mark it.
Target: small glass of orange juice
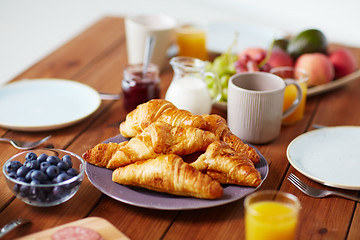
(302, 77)
(191, 42)
(271, 215)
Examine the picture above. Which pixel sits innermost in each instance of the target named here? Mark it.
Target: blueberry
(59, 191)
(52, 171)
(28, 175)
(47, 182)
(62, 177)
(42, 157)
(30, 156)
(12, 166)
(72, 172)
(27, 163)
(32, 193)
(38, 175)
(32, 164)
(63, 166)
(21, 179)
(17, 187)
(44, 166)
(41, 195)
(35, 182)
(22, 171)
(12, 175)
(24, 191)
(66, 158)
(53, 160)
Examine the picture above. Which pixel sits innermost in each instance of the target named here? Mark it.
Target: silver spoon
(318, 126)
(11, 225)
(109, 96)
(149, 47)
(23, 145)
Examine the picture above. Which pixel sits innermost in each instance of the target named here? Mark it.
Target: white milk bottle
(188, 89)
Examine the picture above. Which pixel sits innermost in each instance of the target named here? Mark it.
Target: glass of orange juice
(271, 215)
(302, 77)
(191, 42)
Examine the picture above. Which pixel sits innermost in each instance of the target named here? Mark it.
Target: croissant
(218, 126)
(224, 164)
(170, 174)
(158, 110)
(158, 138)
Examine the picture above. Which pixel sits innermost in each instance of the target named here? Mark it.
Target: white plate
(330, 156)
(221, 35)
(45, 104)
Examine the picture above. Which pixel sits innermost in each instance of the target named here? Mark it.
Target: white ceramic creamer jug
(188, 89)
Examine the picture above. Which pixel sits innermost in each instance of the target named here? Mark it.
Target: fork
(315, 192)
(23, 145)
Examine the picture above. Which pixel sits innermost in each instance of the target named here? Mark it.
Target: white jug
(188, 89)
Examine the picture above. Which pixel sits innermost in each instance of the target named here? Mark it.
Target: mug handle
(218, 89)
(298, 99)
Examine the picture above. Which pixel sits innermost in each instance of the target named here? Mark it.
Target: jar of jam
(139, 88)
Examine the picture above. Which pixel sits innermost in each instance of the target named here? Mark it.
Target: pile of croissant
(171, 150)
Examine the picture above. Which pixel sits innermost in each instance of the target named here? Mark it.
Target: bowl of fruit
(44, 177)
(328, 66)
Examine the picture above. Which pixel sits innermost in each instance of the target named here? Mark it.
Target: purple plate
(136, 196)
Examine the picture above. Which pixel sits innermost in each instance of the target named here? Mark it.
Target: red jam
(138, 88)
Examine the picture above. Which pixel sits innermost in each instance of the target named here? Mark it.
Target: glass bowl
(46, 178)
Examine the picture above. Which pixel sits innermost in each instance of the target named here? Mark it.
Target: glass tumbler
(302, 77)
(271, 215)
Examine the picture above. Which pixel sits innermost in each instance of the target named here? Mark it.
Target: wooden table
(97, 57)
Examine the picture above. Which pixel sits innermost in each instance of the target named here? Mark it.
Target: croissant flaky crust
(225, 165)
(101, 154)
(163, 110)
(171, 150)
(158, 110)
(218, 126)
(170, 174)
(158, 138)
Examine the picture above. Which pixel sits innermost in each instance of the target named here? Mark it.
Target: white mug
(255, 105)
(139, 27)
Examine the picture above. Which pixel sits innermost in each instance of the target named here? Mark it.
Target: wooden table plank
(101, 38)
(276, 153)
(321, 218)
(89, 39)
(135, 222)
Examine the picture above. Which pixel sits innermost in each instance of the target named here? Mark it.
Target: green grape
(208, 66)
(225, 80)
(209, 81)
(224, 95)
(223, 66)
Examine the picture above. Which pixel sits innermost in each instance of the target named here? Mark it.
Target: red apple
(280, 58)
(318, 66)
(246, 64)
(256, 54)
(344, 62)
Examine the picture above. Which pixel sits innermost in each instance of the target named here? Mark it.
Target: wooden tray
(333, 84)
(100, 225)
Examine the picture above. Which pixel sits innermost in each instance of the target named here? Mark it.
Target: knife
(11, 225)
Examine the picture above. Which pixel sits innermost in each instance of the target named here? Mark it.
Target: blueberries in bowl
(44, 177)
